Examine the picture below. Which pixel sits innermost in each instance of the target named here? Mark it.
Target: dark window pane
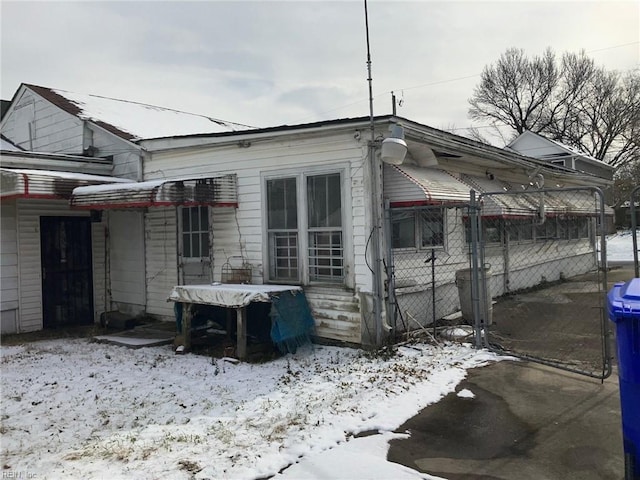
(186, 245)
(282, 209)
(204, 218)
(324, 201)
(195, 221)
(403, 231)
(432, 228)
(186, 224)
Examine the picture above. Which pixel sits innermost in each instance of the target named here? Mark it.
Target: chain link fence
(428, 246)
(524, 268)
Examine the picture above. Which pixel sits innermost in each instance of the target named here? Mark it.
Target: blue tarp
(292, 324)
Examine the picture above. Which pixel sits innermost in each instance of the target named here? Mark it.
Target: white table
(228, 295)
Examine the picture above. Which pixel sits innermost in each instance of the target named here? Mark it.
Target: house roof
(133, 120)
(563, 150)
(7, 145)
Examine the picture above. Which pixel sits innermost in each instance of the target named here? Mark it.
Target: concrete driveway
(526, 420)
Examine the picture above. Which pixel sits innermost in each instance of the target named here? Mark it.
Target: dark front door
(67, 291)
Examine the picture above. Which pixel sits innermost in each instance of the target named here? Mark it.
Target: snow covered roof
(133, 120)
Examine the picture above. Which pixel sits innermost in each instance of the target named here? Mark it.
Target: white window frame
(191, 232)
(303, 229)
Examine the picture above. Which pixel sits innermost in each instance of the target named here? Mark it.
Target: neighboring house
(296, 204)
(52, 259)
(81, 134)
(536, 146)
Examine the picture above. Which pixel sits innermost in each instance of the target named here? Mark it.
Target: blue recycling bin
(624, 309)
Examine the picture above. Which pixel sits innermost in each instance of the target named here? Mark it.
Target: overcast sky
(270, 63)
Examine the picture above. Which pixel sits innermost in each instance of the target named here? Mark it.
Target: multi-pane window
(527, 230)
(195, 232)
(324, 217)
(282, 225)
(520, 230)
(321, 233)
(417, 228)
(578, 227)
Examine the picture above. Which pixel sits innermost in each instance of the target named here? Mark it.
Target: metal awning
(412, 185)
(507, 200)
(211, 191)
(29, 183)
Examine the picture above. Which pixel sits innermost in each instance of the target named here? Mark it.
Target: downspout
(140, 173)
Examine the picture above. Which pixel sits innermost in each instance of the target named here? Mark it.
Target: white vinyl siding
(240, 233)
(98, 256)
(40, 126)
(162, 267)
(127, 261)
(8, 268)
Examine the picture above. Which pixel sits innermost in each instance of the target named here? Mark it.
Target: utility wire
(456, 79)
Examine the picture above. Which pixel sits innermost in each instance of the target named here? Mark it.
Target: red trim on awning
(424, 203)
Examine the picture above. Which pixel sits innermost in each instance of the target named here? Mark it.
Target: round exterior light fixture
(394, 148)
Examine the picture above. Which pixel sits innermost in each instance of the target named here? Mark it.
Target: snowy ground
(76, 409)
(620, 246)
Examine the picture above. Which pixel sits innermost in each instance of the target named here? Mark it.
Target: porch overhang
(207, 191)
(410, 185)
(46, 184)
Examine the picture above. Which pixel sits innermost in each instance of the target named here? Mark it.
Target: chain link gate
(544, 258)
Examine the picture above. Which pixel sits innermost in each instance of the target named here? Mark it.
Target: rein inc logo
(19, 474)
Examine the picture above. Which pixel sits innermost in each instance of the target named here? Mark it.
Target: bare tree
(571, 100)
(627, 178)
(516, 90)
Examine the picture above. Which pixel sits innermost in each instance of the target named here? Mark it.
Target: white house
(294, 204)
(535, 145)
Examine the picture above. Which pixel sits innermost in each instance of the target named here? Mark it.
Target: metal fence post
(475, 300)
(389, 270)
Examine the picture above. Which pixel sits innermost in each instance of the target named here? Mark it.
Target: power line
(615, 46)
(456, 79)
